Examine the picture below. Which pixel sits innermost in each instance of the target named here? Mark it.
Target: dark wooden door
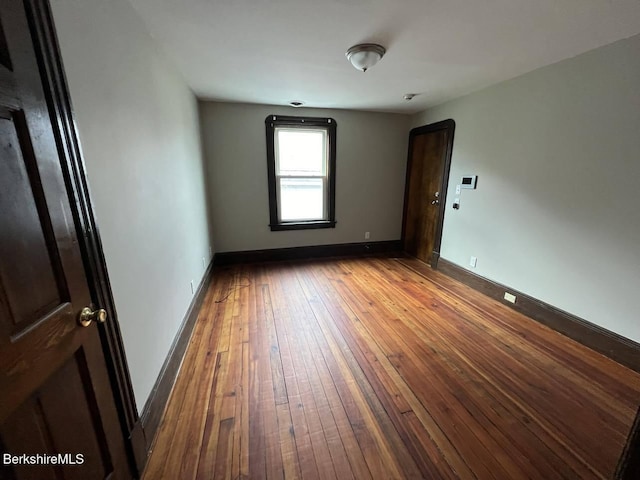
(427, 175)
(629, 463)
(55, 395)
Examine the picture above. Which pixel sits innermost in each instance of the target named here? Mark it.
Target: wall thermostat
(469, 181)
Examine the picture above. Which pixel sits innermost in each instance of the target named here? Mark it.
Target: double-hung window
(301, 154)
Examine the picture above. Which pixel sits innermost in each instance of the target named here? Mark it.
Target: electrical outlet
(457, 189)
(473, 262)
(204, 263)
(192, 289)
(367, 235)
(509, 297)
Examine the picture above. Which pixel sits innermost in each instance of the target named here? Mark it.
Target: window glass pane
(301, 199)
(300, 152)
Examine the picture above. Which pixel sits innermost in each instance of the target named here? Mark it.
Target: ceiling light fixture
(365, 55)
(409, 96)
(296, 104)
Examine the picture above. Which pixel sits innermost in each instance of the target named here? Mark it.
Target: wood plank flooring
(365, 369)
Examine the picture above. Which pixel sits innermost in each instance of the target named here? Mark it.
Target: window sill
(302, 225)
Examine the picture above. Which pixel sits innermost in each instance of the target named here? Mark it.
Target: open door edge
(629, 463)
(68, 144)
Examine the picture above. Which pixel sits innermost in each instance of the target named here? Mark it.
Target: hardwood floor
(365, 369)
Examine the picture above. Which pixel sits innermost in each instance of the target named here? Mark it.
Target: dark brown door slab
(425, 190)
(55, 395)
(629, 463)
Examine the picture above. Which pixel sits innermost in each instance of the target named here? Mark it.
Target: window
(301, 154)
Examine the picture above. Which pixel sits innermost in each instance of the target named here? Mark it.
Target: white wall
(370, 170)
(139, 130)
(557, 210)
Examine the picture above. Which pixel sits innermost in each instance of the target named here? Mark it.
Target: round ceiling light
(365, 55)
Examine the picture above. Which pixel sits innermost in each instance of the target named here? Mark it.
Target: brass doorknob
(87, 316)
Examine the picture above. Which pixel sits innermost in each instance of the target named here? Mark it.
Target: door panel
(47, 413)
(55, 395)
(425, 179)
(30, 293)
(428, 166)
(629, 463)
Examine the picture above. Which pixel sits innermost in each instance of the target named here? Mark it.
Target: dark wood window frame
(274, 121)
